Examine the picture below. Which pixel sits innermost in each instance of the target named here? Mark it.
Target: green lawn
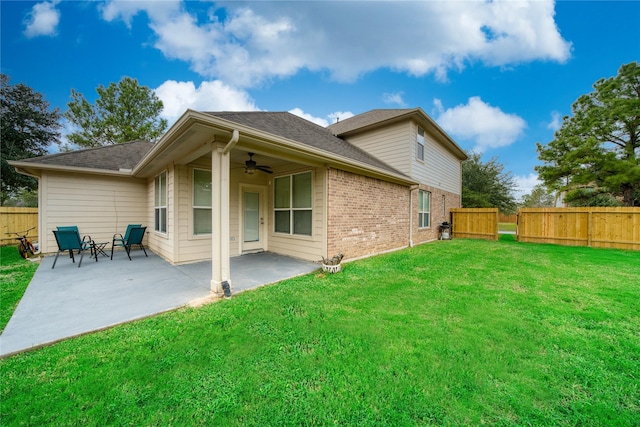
(457, 332)
(16, 274)
(507, 226)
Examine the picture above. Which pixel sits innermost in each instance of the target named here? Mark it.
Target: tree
(595, 155)
(27, 127)
(540, 197)
(124, 112)
(485, 185)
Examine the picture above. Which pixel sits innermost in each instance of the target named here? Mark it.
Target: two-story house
(221, 184)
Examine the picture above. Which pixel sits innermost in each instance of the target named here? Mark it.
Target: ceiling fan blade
(264, 169)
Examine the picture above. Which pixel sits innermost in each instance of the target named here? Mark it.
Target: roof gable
(367, 119)
(290, 126)
(377, 118)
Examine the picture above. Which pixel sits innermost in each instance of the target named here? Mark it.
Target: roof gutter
(24, 168)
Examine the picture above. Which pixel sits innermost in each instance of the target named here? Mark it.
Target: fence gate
(475, 223)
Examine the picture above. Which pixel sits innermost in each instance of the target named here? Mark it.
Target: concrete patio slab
(68, 301)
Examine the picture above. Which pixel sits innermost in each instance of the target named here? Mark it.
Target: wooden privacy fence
(18, 220)
(595, 227)
(513, 218)
(475, 223)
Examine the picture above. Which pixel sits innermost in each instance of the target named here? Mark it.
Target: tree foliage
(595, 155)
(28, 126)
(539, 197)
(123, 112)
(486, 185)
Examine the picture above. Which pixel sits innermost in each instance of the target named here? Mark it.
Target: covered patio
(68, 301)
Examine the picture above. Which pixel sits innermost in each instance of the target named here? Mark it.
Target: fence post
(589, 226)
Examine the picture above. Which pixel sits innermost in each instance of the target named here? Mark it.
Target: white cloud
(245, 44)
(209, 96)
(525, 183)
(339, 115)
(394, 98)
(556, 121)
(486, 126)
(42, 20)
(331, 118)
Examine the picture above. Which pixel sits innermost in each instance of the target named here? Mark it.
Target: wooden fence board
(17, 219)
(595, 227)
(475, 223)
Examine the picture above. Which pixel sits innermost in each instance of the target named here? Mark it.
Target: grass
(507, 226)
(457, 332)
(16, 273)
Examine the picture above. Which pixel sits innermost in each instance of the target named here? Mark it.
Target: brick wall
(421, 235)
(365, 215)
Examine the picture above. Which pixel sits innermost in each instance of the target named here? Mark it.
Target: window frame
(159, 220)
(195, 207)
(290, 208)
(422, 212)
(420, 144)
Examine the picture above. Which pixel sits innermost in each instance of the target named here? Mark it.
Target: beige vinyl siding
(394, 144)
(305, 247)
(189, 247)
(99, 205)
(440, 168)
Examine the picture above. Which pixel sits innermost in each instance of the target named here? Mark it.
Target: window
(444, 207)
(420, 144)
(424, 202)
(160, 203)
(201, 201)
(292, 204)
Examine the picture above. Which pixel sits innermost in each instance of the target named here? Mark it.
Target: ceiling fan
(250, 166)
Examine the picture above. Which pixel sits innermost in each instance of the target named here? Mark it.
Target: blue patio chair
(133, 236)
(87, 241)
(69, 240)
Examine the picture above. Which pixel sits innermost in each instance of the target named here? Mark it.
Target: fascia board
(31, 169)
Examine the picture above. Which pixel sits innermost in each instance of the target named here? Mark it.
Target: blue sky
(497, 76)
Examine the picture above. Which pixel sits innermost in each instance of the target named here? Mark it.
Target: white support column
(220, 265)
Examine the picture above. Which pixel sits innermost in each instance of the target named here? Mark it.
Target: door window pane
(251, 217)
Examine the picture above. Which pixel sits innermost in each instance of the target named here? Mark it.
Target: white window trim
(291, 209)
(420, 144)
(192, 222)
(428, 195)
(156, 206)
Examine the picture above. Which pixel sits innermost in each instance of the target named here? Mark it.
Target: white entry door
(252, 220)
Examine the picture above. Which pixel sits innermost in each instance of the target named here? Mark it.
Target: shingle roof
(111, 157)
(367, 119)
(292, 127)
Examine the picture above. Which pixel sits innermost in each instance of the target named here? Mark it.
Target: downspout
(411, 189)
(232, 142)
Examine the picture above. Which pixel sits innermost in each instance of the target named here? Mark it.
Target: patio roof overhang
(193, 136)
